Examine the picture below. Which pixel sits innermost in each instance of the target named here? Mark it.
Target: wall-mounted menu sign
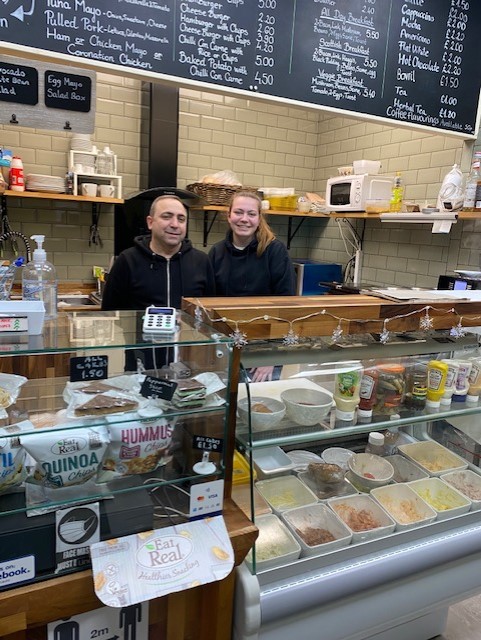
(44, 95)
(67, 91)
(415, 62)
(18, 83)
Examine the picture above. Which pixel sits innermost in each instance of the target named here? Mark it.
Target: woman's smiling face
(243, 218)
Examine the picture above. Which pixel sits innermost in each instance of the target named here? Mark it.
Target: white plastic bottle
(39, 280)
(375, 444)
(472, 183)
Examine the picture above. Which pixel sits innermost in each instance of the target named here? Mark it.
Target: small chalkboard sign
(67, 91)
(88, 368)
(207, 443)
(18, 84)
(158, 388)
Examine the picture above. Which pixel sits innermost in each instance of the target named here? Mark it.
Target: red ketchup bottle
(17, 181)
(367, 393)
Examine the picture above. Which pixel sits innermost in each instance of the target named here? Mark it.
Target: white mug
(89, 189)
(106, 190)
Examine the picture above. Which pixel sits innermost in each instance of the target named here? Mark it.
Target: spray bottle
(39, 280)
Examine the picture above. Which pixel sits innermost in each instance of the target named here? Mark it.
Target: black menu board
(414, 62)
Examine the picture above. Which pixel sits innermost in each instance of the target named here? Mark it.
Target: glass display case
(362, 537)
(96, 413)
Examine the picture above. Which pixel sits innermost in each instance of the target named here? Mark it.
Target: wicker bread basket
(217, 194)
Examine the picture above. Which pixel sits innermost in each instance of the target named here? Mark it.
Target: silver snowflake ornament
(198, 314)
(384, 336)
(291, 338)
(426, 322)
(240, 338)
(458, 331)
(337, 333)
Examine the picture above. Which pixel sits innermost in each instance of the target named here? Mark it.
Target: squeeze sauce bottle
(437, 374)
(450, 386)
(474, 381)
(462, 380)
(346, 391)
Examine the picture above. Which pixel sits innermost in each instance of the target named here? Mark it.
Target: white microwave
(349, 193)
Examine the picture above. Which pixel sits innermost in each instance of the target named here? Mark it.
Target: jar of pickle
(390, 388)
(416, 386)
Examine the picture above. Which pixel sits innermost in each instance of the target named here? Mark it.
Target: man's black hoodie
(139, 277)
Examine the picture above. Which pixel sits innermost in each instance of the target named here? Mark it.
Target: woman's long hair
(264, 233)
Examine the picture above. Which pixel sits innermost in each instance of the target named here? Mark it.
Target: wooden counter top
(358, 314)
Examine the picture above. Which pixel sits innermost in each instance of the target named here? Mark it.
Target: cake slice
(103, 405)
(189, 394)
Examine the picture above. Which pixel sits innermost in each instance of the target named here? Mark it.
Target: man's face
(168, 223)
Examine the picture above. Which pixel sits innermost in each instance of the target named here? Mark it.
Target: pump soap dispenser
(39, 280)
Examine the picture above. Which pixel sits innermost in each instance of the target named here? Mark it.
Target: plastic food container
(275, 544)
(283, 203)
(285, 492)
(271, 461)
(432, 457)
(405, 470)
(363, 516)
(337, 455)
(241, 494)
(324, 490)
(317, 529)
(300, 459)
(376, 206)
(404, 506)
(442, 497)
(468, 483)
(366, 166)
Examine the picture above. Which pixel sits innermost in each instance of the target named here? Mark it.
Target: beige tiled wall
(265, 145)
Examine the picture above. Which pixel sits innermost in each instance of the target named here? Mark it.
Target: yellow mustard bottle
(437, 375)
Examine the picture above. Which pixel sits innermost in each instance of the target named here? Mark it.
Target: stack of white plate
(49, 184)
(80, 142)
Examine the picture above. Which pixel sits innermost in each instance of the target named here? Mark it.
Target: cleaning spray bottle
(39, 280)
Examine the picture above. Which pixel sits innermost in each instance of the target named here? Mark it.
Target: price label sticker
(85, 368)
(158, 388)
(206, 443)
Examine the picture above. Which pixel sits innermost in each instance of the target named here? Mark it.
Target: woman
(251, 261)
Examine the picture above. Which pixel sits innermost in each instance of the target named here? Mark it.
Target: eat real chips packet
(12, 456)
(136, 447)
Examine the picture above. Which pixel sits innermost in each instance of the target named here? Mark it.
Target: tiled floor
(464, 621)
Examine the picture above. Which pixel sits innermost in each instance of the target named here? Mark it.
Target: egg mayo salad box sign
(156, 563)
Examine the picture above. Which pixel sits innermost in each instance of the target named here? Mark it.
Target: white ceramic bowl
(404, 505)
(275, 545)
(285, 492)
(363, 516)
(468, 483)
(369, 471)
(433, 457)
(261, 420)
(307, 407)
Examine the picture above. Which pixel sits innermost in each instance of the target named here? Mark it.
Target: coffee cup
(89, 189)
(106, 190)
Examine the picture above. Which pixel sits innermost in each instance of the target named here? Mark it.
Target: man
(161, 267)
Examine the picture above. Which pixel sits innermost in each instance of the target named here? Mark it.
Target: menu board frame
(408, 63)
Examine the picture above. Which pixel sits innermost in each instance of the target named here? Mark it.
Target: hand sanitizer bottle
(39, 280)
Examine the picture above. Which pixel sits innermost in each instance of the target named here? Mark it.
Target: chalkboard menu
(415, 62)
(18, 83)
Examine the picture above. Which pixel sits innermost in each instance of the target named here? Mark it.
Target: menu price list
(412, 61)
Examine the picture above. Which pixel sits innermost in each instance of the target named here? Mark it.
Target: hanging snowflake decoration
(426, 322)
(240, 338)
(458, 331)
(337, 333)
(198, 314)
(384, 335)
(291, 338)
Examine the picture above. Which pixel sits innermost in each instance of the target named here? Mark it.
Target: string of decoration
(426, 323)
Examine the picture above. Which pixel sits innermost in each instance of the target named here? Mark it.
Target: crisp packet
(65, 458)
(136, 447)
(12, 456)
(10, 388)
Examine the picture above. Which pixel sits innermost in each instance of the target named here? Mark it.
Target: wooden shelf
(215, 209)
(60, 196)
